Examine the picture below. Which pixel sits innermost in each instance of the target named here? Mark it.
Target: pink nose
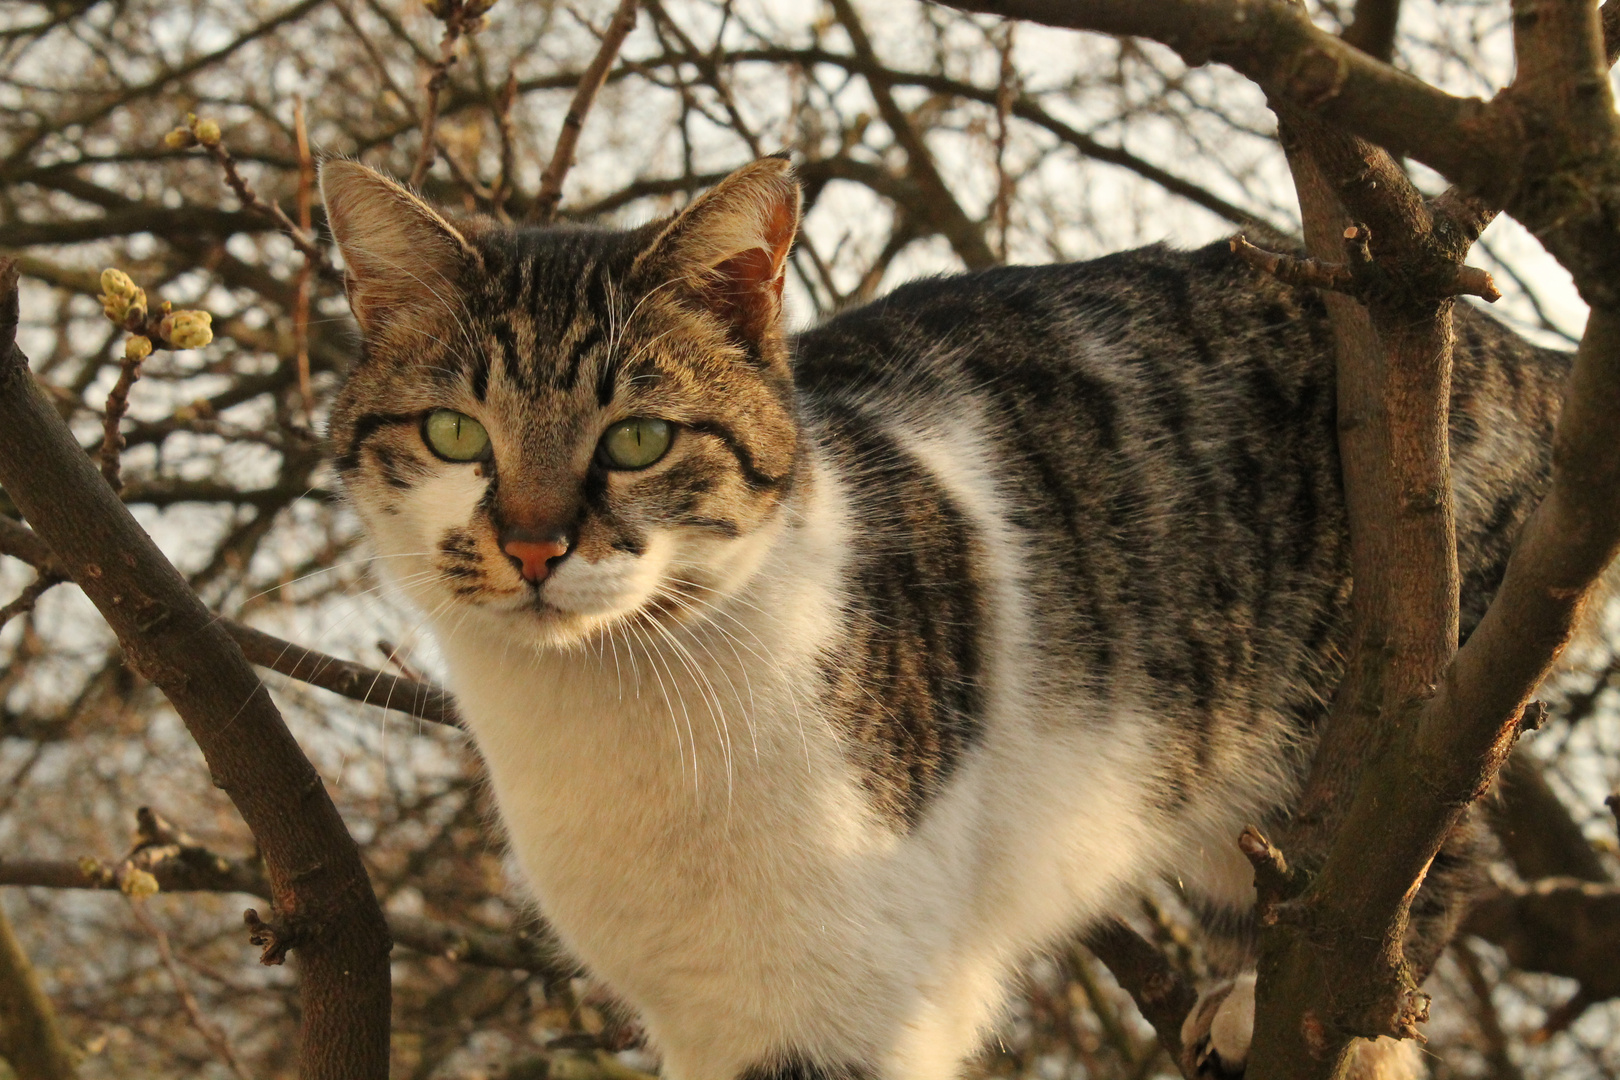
(533, 555)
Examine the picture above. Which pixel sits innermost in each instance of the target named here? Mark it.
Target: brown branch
(1160, 993)
(1560, 926)
(1490, 1024)
(30, 1040)
(314, 867)
(504, 181)
(205, 133)
(306, 197)
(1373, 31)
(1023, 107)
(939, 205)
(351, 680)
(203, 871)
(25, 600)
(1347, 277)
(544, 208)
(211, 1032)
(1291, 270)
(344, 677)
(112, 438)
(1540, 837)
(104, 108)
(457, 15)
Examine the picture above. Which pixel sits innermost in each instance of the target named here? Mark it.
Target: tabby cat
(824, 679)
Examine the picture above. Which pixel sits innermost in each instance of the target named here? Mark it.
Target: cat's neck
(676, 696)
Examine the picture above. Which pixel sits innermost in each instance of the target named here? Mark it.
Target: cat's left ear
(730, 247)
(403, 258)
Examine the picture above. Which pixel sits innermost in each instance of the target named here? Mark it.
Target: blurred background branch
(927, 141)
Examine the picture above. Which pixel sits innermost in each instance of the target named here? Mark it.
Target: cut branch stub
(1361, 277)
(276, 937)
(1275, 882)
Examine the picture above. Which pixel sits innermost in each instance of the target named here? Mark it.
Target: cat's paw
(1215, 1036)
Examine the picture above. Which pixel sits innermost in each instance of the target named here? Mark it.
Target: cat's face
(565, 430)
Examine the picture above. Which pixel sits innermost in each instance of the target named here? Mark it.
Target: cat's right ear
(402, 258)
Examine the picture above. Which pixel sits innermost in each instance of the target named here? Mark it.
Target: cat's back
(1162, 427)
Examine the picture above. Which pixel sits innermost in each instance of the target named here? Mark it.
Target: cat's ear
(402, 257)
(730, 247)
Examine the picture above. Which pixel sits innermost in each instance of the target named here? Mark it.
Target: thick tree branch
(1540, 837)
(30, 1039)
(1561, 926)
(167, 634)
(344, 677)
(1160, 993)
(1373, 31)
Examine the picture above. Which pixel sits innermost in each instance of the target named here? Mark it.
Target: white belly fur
(702, 844)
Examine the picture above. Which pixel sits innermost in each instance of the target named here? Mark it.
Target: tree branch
(940, 205)
(1160, 993)
(544, 209)
(344, 677)
(313, 865)
(203, 871)
(30, 1039)
(1373, 31)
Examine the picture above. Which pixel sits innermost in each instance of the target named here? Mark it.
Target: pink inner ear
(747, 291)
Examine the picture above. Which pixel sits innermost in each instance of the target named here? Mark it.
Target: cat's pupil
(637, 443)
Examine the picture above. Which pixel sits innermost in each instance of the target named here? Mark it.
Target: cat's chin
(548, 628)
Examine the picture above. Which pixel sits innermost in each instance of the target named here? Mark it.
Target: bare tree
(177, 145)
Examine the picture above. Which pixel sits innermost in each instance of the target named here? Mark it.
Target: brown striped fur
(989, 603)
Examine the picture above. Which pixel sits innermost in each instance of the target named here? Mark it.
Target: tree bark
(324, 904)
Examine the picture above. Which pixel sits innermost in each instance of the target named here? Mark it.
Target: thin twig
(455, 22)
(1006, 94)
(503, 130)
(250, 200)
(535, 950)
(1490, 1022)
(306, 190)
(211, 1032)
(25, 601)
(112, 438)
(544, 209)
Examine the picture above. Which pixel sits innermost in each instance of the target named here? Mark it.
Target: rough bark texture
(322, 895)
(1431, 734)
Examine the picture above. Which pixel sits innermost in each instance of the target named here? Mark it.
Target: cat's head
(565, 428)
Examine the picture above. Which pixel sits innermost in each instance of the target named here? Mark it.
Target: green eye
(454, 436)
(635, 444)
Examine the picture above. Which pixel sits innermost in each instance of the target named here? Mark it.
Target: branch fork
(1362, 278)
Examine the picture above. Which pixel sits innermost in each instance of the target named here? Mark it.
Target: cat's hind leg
(1217, 1032)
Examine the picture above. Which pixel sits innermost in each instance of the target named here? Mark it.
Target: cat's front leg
(1216, 1034)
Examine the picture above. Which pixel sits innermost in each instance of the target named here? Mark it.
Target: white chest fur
(691, 824)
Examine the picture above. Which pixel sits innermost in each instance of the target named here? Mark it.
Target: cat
(823, 679)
